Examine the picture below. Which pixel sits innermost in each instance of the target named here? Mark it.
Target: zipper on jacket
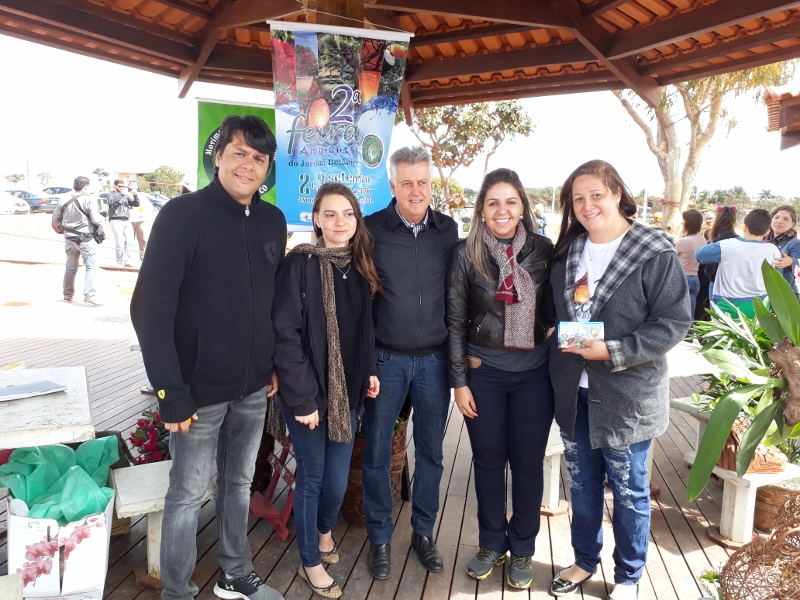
(419, 292)
(252, 303)
(247, 211)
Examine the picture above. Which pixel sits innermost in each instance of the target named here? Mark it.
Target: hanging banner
(336, 95)
(210, 114)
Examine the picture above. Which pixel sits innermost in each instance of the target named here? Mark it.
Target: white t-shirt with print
(592, 265)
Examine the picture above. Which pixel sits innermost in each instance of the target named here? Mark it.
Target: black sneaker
(248, 587)
(484, 562)
(520, 575)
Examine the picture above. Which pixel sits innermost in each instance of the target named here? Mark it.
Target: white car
(11, 205)
(59, 191)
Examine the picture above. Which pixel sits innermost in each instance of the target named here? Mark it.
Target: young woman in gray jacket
(612, 396)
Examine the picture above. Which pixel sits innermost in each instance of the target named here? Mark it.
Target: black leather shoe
(379, 560)
(562, 587)
(428, 554)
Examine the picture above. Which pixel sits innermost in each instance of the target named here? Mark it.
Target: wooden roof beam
(405, 100)
(480, 89)
(598, 8)
(189, 8)
(228, 14)
(729, 66)
(768, 36)
(478, 64)
(382, 18)
(597, 40)
(77, 23)
(701, 20)
(460, 35)
(521, 93)
(525, 12)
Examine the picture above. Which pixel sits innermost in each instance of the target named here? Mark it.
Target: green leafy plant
(710, 584)
(757, 361)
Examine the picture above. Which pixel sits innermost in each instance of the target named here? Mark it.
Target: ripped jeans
(626, 468)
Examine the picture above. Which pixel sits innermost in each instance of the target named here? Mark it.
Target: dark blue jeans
(515, 411)
(229, 432)
(322, 469)
(425, 379)
(626, 467)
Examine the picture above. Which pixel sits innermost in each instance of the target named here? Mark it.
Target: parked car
(38, 201)
(11, 205)
(60, 191)
(157, 199)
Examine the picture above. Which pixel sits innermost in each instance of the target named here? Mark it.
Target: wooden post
(344, 13)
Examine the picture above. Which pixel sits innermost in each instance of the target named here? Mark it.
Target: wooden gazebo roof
(783, 114)
(463, 50)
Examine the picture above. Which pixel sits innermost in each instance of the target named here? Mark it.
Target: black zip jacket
(409, 312)
(474, 315)
(202, 305)
(301, 349)
(119, 206)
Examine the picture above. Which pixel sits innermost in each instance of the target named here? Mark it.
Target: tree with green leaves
(765, 195)
(44, 179)
(15, 178)
(102, 177)
(165, 180)
(700, 104)
(438, 200)
(456, 135)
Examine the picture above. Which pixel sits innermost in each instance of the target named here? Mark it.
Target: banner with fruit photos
(336, 96)
(210, 114)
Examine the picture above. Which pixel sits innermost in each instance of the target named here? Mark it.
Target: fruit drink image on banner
(210, 114)
(336, 95)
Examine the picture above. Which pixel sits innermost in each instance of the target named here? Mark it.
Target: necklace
(344, 273)
(592, 255)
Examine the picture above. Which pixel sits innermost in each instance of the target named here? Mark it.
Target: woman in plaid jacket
(612, 396)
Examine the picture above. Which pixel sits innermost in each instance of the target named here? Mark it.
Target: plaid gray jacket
(643, 301)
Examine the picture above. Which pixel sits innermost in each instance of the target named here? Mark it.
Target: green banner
(210, 115)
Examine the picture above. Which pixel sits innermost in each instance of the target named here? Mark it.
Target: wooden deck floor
(679, 547)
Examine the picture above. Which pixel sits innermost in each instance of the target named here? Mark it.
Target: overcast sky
(67, 114)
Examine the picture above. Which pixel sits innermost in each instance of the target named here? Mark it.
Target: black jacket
(301, 339)
(409, 312)
(119, 206)
(474, 315)
(203, 302)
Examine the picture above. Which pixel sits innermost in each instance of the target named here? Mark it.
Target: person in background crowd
(202, 310)
(325, 358)
(708, 221)
(411, 246)
(612, 395)
(739, 278)
(784, 236)
(499, 312)
(686, 245)
(540, 219)
(724, 228)
(138, 216)
(119, 211)
(77, 218)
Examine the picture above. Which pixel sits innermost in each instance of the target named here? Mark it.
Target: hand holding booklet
(571, 334)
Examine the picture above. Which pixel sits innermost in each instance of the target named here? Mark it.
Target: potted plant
(759, 384)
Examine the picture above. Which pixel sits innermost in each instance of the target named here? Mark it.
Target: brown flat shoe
(332, 591)
(332, 556)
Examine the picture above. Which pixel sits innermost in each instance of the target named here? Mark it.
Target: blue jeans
(626, 467)
(231, 433)
(425, 379)
(88, 251)
(694, 289)
(322, 469)
(515, 411)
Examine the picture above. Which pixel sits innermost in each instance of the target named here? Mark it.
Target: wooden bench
(551, 505)
(687, 405)
(739, 502)
(140, 491)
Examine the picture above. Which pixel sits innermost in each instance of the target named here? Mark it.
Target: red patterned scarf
(515, 288)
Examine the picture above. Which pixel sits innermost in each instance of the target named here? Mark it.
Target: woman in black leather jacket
(499, 312)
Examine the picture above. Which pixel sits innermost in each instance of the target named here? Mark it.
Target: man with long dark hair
(201, 310)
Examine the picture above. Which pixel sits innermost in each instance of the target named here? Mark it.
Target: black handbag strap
(80, 208)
